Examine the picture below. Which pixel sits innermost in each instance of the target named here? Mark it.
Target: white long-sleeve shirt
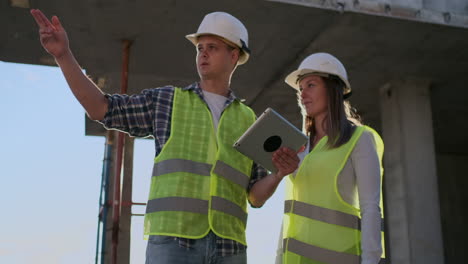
(360, 177)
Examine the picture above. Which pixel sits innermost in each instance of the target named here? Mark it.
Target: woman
(333, 201)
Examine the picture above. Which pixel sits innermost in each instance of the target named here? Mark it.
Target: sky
(51, 175)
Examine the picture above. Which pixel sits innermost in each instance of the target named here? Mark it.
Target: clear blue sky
(51, 173)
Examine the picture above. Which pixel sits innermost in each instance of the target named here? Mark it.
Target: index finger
(301, 149)
(40, 18)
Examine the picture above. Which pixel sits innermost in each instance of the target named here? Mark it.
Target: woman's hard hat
(320, 64)
(226, 26)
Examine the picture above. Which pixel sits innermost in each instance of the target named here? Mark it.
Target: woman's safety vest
(199, 180)
(320, 227)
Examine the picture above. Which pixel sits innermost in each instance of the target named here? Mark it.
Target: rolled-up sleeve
(258, 173)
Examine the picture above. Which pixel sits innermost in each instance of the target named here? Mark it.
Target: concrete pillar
(126, 206)
(410, 180)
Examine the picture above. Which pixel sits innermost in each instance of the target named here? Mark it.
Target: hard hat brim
(293, 78)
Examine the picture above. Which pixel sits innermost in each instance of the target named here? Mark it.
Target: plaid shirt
(148, 114)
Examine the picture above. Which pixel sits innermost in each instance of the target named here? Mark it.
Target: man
(196, 211)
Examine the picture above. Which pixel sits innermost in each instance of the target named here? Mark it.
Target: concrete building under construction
(408, 66)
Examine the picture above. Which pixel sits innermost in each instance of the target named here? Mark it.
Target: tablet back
(269, 132)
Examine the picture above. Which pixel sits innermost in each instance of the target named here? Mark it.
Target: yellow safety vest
(320, 227)
(199, 180)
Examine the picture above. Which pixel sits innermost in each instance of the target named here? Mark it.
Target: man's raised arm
(55, 41)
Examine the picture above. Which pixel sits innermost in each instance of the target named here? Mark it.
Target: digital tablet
(269, 132)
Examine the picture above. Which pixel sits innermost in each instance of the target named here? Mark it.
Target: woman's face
(313, 95)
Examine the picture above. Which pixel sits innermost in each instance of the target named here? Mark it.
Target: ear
(235, 54)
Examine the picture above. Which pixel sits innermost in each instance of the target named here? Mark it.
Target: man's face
(214, 57)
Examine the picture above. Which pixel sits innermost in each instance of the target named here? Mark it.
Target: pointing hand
(52, 35)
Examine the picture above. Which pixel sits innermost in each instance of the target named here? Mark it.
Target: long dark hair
(341, 118)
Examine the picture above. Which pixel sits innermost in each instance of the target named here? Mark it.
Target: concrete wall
(447, 12)
(450, 127)
(453, 185)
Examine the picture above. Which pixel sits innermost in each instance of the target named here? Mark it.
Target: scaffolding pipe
(103, 197)
(118, 168)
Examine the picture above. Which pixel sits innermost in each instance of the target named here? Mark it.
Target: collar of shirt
(195, 87)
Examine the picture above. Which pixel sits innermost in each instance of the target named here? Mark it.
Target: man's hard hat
(229, 28)
(320, 64)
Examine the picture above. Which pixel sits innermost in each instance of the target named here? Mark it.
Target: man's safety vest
(199, 180)
(320, 227)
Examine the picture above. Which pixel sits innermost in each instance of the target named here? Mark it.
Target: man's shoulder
(157, 93)
(166, 88)
(172, 88)
(247, 108)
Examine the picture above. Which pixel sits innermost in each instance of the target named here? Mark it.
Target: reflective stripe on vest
(181, 165)
(231, 174)
(228, 207)
(321, 254)
(193, 205)
(183, 204)
(203, 169)
(324, 214)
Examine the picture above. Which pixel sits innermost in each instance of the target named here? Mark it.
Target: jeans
(166, 250)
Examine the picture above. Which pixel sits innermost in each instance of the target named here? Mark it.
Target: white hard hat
(226, 26)
(319, 63)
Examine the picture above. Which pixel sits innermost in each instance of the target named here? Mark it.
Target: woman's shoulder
(369, 142)
(366, 141)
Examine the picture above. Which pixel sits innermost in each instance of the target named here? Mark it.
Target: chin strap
(346, 96)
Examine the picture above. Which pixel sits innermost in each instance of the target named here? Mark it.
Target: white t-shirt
(360, 177)
(216, 104)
